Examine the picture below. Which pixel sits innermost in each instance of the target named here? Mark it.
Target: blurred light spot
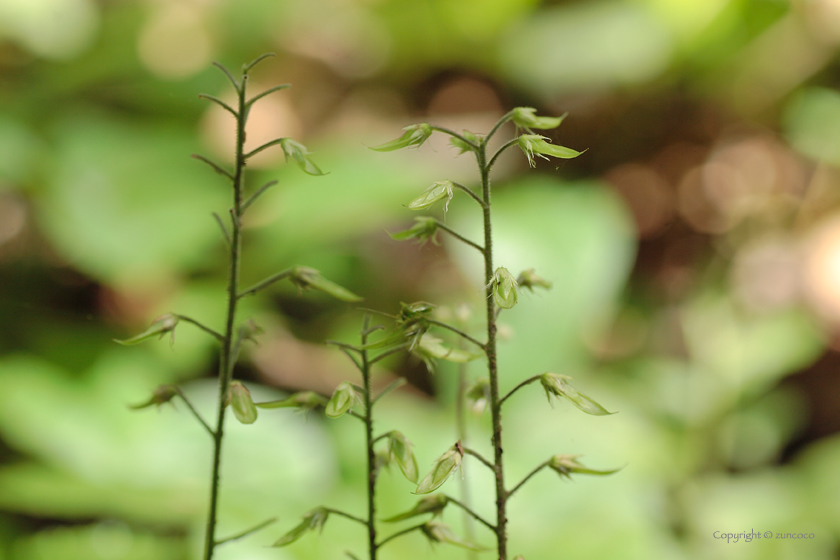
(766, 274)
(464, 95)
(823, 16)
(822, 269)
(696, 208)
(175, 42)
(647, 194)
(57, 29)
(351, 41)
(270, 118)
(111, 540)
(624, 337)
(12, 216)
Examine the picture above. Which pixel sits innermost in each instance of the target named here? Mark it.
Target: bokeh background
(694, 250)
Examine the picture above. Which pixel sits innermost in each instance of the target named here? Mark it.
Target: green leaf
(504, 288)
(161, 326)
(438, 191)
(312, 521)
(441, 533)
(433, 504)
(343, 399)
(415, 135)
(443, 467)
(565, 465)
(399, 449)
(304, 400)
(556, 385)
(525, 117)
(306, 278)
(300, 155)
(161, 395)
(534, 144)
(239, 399)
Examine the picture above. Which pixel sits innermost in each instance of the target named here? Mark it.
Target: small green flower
(239, 399)
(433, 504)
(442, 468)
(312, 521)
(161, 395)
(529, 279)
(565, 465)
(399, 449)
(415, 135)
(463, 146)
(431, 347)
(343, 399)
(534, 144)
(504, 288)
(423, 230)
(441, 533)
(305, 400)
(525, 117)
(162, 325)
(438, 191)
(300, 155)
(558, 386)
(305, 278)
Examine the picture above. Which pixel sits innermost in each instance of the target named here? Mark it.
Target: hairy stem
(369, 441)
(225, 361)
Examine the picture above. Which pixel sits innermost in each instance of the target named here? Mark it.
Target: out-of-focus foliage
(692, 248)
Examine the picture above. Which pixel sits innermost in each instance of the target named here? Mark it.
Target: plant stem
(490, 350)
(540, 467)
(225, 362)
(369, 441)
(461, 426)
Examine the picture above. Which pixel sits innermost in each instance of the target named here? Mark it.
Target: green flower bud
(249, 330)
(443, 467)
(565, 465)
(504, 288)
(423, 230)
(463, 146)
(438, 191)
(399, 449)
(162, 325)
(478, 394)
(161, 395)
(299, 155)
(239, 399)
(343, 399)
(305, 400)
(431, 347)
(306, 278)
(415, 135)
(557, 386)
(312, 521)
(525, 117)
(533, 144)
(441, 533)
(433, 504)
(529, 279)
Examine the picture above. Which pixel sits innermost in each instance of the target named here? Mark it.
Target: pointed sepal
(300, 155)
(536, 145)
(399, 450)
(433, 504)
(305, 400)
(161, 395)
(566, 465)
(414, 136)
(525, 117)
(504, 285)
(343, 399)
(438, 532)
(557, 386)
(305, 278)
(442, 468)
(162, 325)
(312, 521)
(440, 190)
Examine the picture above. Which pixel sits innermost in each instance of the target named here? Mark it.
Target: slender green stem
(456, 135)
(208, 330)
(222, 227)
(225, 361)
(515, 389)
(251, 199)
(471, 513)
(257, 150)
(457, 235)
(266, 283)
(394, 385)
(457, 331)
(478, 456)
(490, 349)
(347, 515)
(400, 533)
(219, 102)
(247, 532)
(507, 145)
(470, 192)
(369, 441)
(194, 411)
(524, 480)
(392, 351)
(216, 167)
(505, 118)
